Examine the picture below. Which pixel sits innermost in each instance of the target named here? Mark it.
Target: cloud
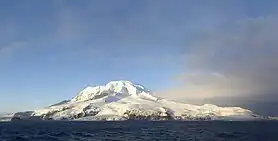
(9, 50)
(235, 60)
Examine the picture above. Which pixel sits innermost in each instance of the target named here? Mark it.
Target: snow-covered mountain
(121, 100)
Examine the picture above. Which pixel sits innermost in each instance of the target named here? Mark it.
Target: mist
(239, 59)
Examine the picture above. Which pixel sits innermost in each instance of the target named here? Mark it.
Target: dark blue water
(139, 130)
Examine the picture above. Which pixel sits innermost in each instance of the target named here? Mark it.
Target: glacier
(125, 100)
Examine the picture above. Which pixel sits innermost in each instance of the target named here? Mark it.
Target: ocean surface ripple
(139, 130)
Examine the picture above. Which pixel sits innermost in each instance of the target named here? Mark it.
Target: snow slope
(121, 100)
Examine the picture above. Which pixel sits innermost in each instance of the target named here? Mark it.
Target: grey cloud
(237, 60)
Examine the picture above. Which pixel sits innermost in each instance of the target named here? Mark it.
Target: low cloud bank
(237, 60)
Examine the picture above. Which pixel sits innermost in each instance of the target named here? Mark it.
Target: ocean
(139, 131)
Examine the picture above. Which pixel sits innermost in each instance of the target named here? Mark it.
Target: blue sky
(49, 50)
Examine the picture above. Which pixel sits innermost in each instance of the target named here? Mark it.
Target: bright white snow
(120, 100)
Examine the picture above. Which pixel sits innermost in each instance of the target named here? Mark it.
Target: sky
(50, 50)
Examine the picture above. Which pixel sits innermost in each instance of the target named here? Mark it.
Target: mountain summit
(114, 89)
(123, 100)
